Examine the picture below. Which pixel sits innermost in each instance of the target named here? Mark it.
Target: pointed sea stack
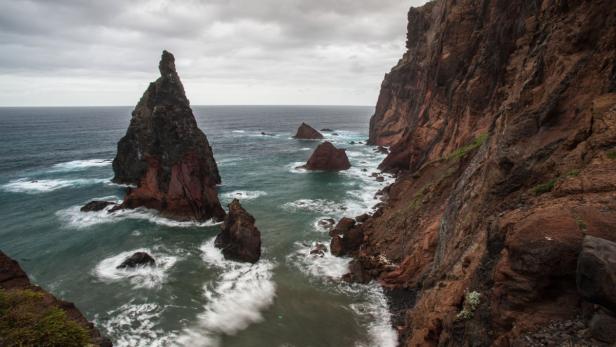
(306, 132)
(166, 156)
(328, 158)
(239, 239)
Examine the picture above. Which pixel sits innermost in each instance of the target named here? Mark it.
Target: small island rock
(240, 240)
(137, 259)
(306, 132)
(328, 158)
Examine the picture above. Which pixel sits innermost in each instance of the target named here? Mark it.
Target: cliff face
(14, 282)
(502, 120)
(166, 155)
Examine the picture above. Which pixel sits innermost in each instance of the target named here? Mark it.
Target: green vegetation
(462, 151)
(545, 187)
(26, 320)
(471, 303)
(573, 173)
(581, 224)
(611, 154)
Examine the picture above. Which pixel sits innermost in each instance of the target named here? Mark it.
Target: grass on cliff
(611, 154)
(462, 151)
(26, 320)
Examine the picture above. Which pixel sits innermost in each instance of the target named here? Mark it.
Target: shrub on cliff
(26, 320)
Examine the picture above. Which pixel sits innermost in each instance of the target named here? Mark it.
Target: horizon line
(214, 105)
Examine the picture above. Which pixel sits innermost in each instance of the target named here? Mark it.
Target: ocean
(54, 160)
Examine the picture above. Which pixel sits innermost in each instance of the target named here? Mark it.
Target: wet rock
(326, 223)
(240, 240)
(382, 150)
(166, 156)
(326, 157)
(96, 205)
(362, 218)
(327, 130)
(343, 225)
(596, 272)
(347, 242)
(137, 259)
(335, 134)
(266, 134)
(352, 143)
(380, 179)
(319, 249)
(306, 132)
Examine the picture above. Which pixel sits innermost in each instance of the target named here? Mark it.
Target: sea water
(54, 160)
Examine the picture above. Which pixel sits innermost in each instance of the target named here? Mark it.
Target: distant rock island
(166, 156)
(306, 132)
(327, 157)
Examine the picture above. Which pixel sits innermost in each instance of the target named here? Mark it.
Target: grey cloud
(343, 44)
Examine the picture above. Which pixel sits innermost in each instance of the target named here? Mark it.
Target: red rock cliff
(502, 120)
(166, 155)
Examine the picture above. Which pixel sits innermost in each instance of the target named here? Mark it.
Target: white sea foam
(296, 167)
(305, 149)
(238, 131)
(73, 218)
(33, 186)
(234, 300)
(315, 205)
(244, 195)
(140, 276)
(135, 326)
(76, 165)
(374, 312)
(327, 266)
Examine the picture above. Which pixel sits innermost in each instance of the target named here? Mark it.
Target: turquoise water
(54, 160)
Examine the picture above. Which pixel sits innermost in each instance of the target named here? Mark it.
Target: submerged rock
(326, 130)
(319, 249)
(240, 240)
(96, 205)
(326, 223)
(166, 155)
(306, 132)
(137, 259)
(328, 158)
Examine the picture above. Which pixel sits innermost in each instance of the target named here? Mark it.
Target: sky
(228, 52)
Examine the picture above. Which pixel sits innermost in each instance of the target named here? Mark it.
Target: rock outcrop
(96, 205)
(240, 240)
(306, 132)
(327, 157)
(596, 272)
(137, 259)
(166, 156)
(501, 122)
(14, 279)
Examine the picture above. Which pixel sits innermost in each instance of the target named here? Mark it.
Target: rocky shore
(39, 318)
(501, 124)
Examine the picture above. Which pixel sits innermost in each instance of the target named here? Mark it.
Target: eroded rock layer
(501, 118)
(166, 156)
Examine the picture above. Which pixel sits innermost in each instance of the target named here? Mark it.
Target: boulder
(319, 249)
(240, 240)
(596, 272)
(362, 218)
(603, 327)
(326, 157)
(343, 226)
(166, 156)
(326, 223)
(137, 259)
(306, 132)
(96, 205)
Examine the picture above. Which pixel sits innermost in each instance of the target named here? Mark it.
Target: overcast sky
(236, 52)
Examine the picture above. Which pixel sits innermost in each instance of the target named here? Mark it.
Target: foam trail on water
(139, 277)
(73, 218)
(234, 300)
(77, 165)
(327, 266)
(375, 314)
(33, 186)
(244, 195)
(315, 205)
(135, 325)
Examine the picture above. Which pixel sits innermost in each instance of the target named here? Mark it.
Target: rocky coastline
(501, 124)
